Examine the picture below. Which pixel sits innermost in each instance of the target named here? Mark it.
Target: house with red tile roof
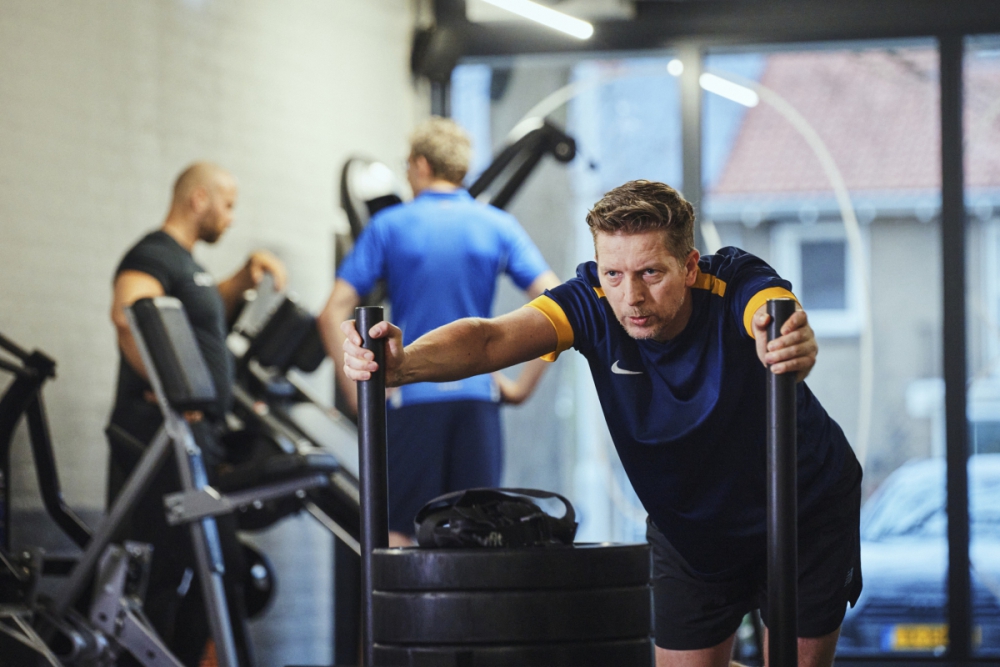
(876, 112)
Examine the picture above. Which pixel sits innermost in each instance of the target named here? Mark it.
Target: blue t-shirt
(688, 416)
(440, 256)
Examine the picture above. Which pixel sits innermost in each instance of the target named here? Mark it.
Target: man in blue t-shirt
(677, 348)
(440, 256)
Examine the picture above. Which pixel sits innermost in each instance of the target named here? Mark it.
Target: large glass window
(833, 176)
(982, 178)
(826, 163)
(625, 117)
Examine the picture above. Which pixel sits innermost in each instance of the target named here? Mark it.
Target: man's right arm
(130, 286)
(464, 348)
(339, 308)
(515, 392)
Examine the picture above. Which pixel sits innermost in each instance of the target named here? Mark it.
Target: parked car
(904, 558)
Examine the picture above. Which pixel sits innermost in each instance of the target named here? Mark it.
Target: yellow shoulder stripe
(709, 282)
(554, 313)
(758, 300)
(599, 291)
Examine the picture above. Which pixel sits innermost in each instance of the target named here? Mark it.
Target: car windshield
(911, 502)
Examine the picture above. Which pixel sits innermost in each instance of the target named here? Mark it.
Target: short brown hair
(445, 146)
(642, 206)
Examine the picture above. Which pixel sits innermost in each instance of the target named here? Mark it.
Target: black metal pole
(346, 603)
(517, 179)
(374, 480)
(48, 475)
(441, 98)
(960, 621)
(782, 505)
(12, 347)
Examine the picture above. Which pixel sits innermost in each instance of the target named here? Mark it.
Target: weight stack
(581, 605)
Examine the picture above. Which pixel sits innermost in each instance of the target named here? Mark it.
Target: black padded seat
(255, 461)
(274, 468)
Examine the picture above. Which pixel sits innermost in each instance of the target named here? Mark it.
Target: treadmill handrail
(23, 398)
(526, 150)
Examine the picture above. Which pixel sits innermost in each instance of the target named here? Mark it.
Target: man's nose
(635, 291)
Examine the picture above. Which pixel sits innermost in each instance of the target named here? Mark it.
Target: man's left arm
(794, 351)
(248, 277)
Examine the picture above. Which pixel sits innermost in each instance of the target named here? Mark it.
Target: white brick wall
(103, 102)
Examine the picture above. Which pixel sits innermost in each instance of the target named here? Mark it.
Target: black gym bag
(493, 518)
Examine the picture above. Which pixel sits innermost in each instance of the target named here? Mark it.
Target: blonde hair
(446, 147)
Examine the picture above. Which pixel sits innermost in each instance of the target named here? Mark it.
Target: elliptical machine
(95, 616)
(65, 630)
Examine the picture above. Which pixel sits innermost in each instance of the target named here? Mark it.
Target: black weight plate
(510, 617)
(631, 652)
(579, 566)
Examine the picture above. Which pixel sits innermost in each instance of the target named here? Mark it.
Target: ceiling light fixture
(720, 86)
(546, 16)
(729, 90)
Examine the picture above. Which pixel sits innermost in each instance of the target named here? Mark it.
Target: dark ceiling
(667, 23)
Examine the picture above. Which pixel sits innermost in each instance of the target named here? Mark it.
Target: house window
(817, 260)
(824, 277)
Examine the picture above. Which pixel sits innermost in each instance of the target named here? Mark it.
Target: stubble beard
(211, 237)
(645, 333)
(209, 231)
(659, 324)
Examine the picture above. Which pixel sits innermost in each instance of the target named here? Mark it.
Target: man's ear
(199, 199)
(691, 267)
(422, 166)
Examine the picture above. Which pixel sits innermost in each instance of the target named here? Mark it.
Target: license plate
(922, 637)
(918, 637)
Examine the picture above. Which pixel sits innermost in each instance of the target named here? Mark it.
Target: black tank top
(161, 257)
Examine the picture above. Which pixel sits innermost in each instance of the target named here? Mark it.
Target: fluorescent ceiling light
(720, 86)
(729, 90)
(546, 16)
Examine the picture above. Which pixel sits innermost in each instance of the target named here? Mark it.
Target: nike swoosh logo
(621, 371)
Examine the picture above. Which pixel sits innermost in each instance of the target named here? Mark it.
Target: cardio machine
(95, 615)
(63, 629)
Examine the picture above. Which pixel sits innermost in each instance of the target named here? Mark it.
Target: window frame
(786, 253)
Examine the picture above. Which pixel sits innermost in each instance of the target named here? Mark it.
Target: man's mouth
(638, 320)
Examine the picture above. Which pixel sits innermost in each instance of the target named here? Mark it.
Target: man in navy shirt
(677, 348)
(440, 256)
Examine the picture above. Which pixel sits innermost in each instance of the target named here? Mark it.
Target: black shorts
(434, 448)
(695, 612)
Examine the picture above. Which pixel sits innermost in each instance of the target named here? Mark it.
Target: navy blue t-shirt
(687, 416)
